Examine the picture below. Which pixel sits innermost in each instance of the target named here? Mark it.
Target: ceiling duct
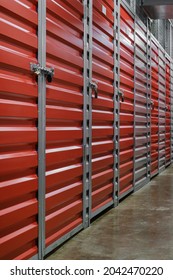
(158, 9)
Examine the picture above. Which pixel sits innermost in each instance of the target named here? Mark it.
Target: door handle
(152, 104)
(166, 108)
(121, 95)
(94, 86)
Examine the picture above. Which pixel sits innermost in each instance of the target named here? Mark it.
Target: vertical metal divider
(159, 110)
(87, 125)
(41, 127)
(165, 55)
(85, 104)
(165, 107)
(171, 110)
(170, 106)
(134, 103)
(148, 102)
(116, 100)
(89, 95)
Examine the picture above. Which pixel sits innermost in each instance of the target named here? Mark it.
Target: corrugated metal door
(162, 109)
(102, 106)
(168, 112)
(126, 102)
(154, 107)
(18, 131)
(64, 120)
(171, 110)
(141, 106)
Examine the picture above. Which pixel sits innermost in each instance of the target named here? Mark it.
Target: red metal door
(102, 106)
(18, 131)
(154, 107)
(126, 107)
(64, 125)
(141, 125)
(162, 109)
(168, 112)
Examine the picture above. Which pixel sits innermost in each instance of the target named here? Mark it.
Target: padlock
(49, 77)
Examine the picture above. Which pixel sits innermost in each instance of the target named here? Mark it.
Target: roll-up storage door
(102, 106)
(64, 121)
(141, 124)
(171, 67)
(126, 102)
(168, 112)
(162, 108)
(154, 107)
(18, 131)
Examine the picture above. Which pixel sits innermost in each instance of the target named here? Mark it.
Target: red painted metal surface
(141, 103)
(18, 131)
(64, 112)
(126, 107)
(154, 108)
(103, 106)
(168, 112)
(162, 108)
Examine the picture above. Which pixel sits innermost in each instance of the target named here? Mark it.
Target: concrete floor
(141, 227)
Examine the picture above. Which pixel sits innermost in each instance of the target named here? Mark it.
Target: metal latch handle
(94, 86)
(48, 72)
(166, 108)
(152, 104)
(121, 95)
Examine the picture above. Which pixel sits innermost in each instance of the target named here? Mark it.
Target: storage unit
(102, 106)
(142, 109)
(168, 113)
(126, 98)
(86, 117)
(154, 107)
(18, 132)
(64, 117)
(162, 108)
(171, 73)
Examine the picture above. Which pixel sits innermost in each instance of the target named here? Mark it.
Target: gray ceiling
(158, 9)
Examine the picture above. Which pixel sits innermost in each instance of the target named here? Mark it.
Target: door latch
(94, 86)
(121, 95)
(152, 104)
(166, 108)
(48, 72)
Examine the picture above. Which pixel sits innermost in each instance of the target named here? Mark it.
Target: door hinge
(38, 70)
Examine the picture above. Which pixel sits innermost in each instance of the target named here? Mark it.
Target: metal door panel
(162, 107)
(127, 107)
(64, 121)
(141, 129)
(18, 131)
(154, 108)
(168, 114)
(102, 107)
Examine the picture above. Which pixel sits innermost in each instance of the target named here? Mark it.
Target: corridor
(141, 227)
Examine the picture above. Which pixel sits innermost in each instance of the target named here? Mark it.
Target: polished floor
(141, 227)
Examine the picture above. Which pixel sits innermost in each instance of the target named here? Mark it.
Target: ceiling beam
(156, 2)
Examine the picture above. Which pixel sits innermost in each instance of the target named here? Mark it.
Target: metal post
(89, 12)
(116, 99)
(159, 112)
(134, 104)
(148, 102)
(171, 110)
(171, 41)
(41, 127)
(87, 127)
(85, 116)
